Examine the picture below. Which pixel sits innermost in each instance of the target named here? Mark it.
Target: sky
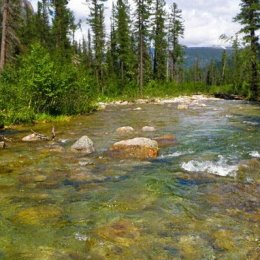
(204, 20)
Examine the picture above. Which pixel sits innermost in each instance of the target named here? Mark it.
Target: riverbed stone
(2, 145)
(38, 214)
(122, 232)
(165, 140)
(140, 147)
(83, 145)
(34, 137)
(182, 107)
(125, 130)
(148, 129)
(40, 178)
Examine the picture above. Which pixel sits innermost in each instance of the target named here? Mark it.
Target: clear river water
(194, 202)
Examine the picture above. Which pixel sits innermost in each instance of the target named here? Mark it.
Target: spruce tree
(11, 20)
(96, 21)
(175, 32)
(61, 25)
(143, 8)
(124, 43)
(159, 39)
(249, 18)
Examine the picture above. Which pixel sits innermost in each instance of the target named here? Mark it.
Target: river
(193, 202)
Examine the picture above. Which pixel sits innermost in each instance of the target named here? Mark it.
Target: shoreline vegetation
(102, 103)
(46, 74)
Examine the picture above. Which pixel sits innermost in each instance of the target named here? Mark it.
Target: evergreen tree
(42, 23)
(160, 43)
(175, 32)
(249, 18)
(62, 22)
(98, 28)
(142, 37)
(11, 20)
(124, 43)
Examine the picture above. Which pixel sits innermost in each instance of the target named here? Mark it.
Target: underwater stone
(125, 130)
(165, 140)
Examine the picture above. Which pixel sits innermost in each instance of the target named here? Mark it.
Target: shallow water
(193, 202)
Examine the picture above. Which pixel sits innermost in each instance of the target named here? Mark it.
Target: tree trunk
(4, 35)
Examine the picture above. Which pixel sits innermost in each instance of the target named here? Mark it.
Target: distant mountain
(204, 55)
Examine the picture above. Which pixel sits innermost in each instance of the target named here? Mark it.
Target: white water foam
(81, 237)
(219, 167)
(175, 154)
(255, 154)
(250, 123)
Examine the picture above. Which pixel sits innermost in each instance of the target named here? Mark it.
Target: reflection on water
(58, 205)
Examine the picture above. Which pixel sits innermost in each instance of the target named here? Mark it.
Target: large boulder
(165, 140)
(140, 148)
(83, 145)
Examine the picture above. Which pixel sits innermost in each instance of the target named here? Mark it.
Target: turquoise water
(195, 201)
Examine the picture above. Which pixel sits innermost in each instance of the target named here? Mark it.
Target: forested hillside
(46, 70)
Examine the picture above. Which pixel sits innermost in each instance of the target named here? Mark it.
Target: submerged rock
(165, 140)
(125, 130)
(182, 107)
(83, 145)
(38, 215)
(148, 129)
(140, 147)
(122, 232)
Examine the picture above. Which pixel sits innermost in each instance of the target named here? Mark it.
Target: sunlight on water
(198, 200)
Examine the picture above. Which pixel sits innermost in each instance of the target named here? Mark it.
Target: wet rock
(86, 162)
(165, 140)
(40, 178)
(148, 129)
(125, 130)
(182, 107)
(56, 148)
(35, 137)
(38, 215)
(2, 145)
(140, 147)
(249, 171)
(137, 109)
(224, 239)
(83, 145)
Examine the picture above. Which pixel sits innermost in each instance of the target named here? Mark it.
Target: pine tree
(160, 43)
(61, 25)
(142, 37)
(11, 20)
(124, 43)
(175, 32)
(249, 18)
(98, 28)
(43, 24)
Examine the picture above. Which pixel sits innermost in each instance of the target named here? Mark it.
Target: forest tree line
(45, 69)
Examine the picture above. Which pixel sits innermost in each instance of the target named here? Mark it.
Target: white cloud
(204, 20)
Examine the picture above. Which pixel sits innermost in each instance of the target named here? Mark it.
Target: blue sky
(204, 20)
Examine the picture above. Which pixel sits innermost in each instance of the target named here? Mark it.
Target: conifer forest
(46, 70)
